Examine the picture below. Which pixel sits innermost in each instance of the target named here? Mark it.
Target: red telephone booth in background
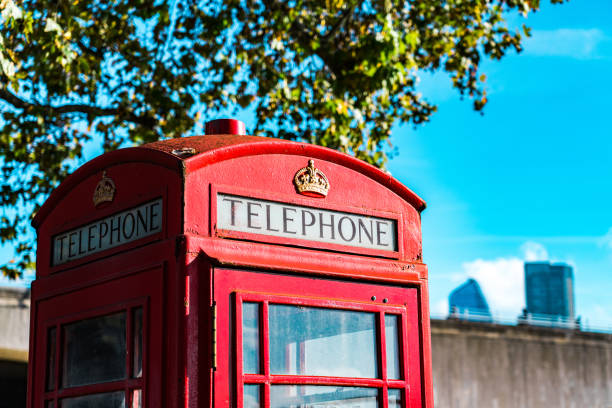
(229, 271)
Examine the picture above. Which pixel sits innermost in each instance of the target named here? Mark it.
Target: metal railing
(529, 319)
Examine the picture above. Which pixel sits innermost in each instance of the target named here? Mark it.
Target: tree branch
(96, 53)
(345, 17)
(89, 110)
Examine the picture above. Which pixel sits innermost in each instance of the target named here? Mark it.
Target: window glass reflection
(322, 342)
(311, 396)
(251, 396)
(107, 400)
(94, 350)
(137, 399)
(392, 345)
(250, 338)
(137, 345)
(395, 398)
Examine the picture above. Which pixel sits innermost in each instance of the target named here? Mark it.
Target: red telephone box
(229, 271)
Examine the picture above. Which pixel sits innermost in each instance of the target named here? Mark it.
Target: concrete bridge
(495, 366)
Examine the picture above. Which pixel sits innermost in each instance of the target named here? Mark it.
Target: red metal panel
(198, 349)
(423, 322)
(250, 254)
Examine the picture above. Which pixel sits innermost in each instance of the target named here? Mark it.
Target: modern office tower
(549, 289)
(468, 302)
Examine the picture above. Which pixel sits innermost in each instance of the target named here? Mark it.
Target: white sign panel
(114, 230)
(236, 213)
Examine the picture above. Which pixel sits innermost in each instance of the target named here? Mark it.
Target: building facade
(549, 289)
(468, 302)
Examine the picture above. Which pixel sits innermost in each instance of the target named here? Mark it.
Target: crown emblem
(105, 190)
(311, 181)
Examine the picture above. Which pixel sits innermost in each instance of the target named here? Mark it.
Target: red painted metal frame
(235, 287)
(325, 263)
(268, 379)
(305, 202)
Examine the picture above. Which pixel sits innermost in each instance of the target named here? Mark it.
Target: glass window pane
(250, 338)
(136, 398)
(395, 398)
(308, 396)
(325, 342)
(391, 340)
(107, 400)
(51, 355)
(137, 343)
(49, 404)
(94, 350)
(251, 396)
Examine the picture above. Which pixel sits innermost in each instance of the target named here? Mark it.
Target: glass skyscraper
(468, 302)
(549, 289)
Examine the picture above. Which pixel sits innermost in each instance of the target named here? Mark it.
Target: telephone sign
(111, 231)
(235, 213)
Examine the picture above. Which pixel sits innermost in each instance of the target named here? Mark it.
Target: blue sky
(532, 178)
(529, 179)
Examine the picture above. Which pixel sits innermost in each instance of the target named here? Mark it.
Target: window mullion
(404, 357)
(129, 356)
(265, 342)
(58, 356)
(382, 346)
(239, 355)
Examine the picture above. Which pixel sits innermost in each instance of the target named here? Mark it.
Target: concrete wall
(14, 332)
(480, 365)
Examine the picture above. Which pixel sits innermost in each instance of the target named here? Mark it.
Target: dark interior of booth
(13, 380)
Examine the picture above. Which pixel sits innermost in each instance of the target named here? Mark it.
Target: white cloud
(606, 240)
(565, 42)
(440, 308)
(502, 282)
(532, 251)
(600, 316)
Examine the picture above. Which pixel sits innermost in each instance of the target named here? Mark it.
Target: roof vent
(225, 127)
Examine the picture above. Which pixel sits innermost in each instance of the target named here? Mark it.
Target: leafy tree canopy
(337, 73)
